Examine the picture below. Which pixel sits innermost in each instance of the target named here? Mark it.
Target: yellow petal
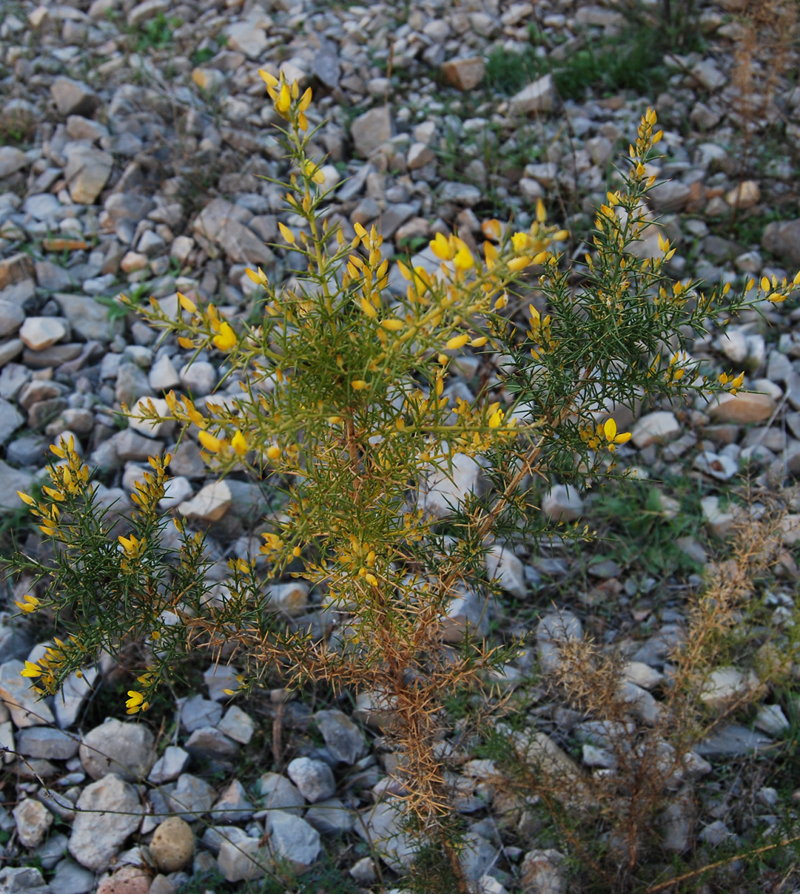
(239, 444)
(610, 430)
(456, 342)
(358, 385)
(287, 234)
(187, 303)
(210, 442)
(392, 325)
(226, 338)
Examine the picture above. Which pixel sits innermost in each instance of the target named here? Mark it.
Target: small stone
(163, 376)
(172, 846)
(717, 465)
(73, 97)
(770, 719)
(38, 333)
(233, 805)
(460, 193)
(343, 739)
(538, 96)
(197, 712)
(223, 223)
(209, 743)
(108, 812)
(641, 674)
(243, 860)
(313, 778)
(169, 766)
(147, 9)
(733, 741)
(671, 195)
(466, 612)
(331, 817)
(443, 491)
(87, 172)
(381, 827)
(464, 74)
(502, 564)
(237, 725)
(552, 632)
(655, 428)
(33, 820)
(562, 503)
(782, 238)
(418, 156)
(741, 408)
(744, 195)
(192, 797)
(22, 880)
(126, 749)
(209, 504)
(70, 878)
(371, 130)
(47, 743)
(219, 678)
(11, 161)
(280, 794)
(245, 37)
(708, 75)
(10, 420)
(198, 378)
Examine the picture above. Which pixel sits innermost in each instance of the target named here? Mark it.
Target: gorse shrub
(339, 394)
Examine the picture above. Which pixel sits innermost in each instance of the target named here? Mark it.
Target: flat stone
(732, 741)
(246, 859)
(10, 420)
(655, 428)
(22, 880)
(87, 317)
(38, 333)
(108, 812)
(237, 725)
(87, 172)
(46, 742)
(192, 797)
(233, 805)
(331, 817)
(502, 564)
(381, 827)
(221, 224)
(536, 97)
(209, 504)
(209, 743)
(197, 712)
(742, 408)
(782, 238)
(562, 503)
(726, 684)
(371, 130)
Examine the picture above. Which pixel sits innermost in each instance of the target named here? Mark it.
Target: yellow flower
(27, 604)
(358, 385)
(442, 248)
(273, 452)
(135, 702)
(212, 444)
(132, 545)
(226, 338)
(456, 342)
(31, 670)
(187, 303)
(392, 325)
(239, 444)
(609, 432)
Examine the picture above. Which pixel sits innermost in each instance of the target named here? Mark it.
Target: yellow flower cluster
(45, 669)
(69, 478)
(605, 435)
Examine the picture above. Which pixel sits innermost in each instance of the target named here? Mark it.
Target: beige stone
(744, 407)
(38, 333)
(745, 195)
(210, 504)
(172, 845)
(464, 74)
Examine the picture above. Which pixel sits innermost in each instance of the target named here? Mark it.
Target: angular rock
(464, 74)
(245, 37)
(108, 812)
(33, 820)
(169, 766)
(538, 96)
(562, 503)
(552, 632)
(233, 805)
(209, 504)
(382, 827)
(292, 840)
(782, 238)
(313, 778)
(280, 794)
(192, 797)
(87, 172)
(741, 408)
(331, 817)
(124, 749)
(87, 317)
(445, 489)
(502, 564)
(371, 130)
(11, 161)
(237, 725)
(655, 428)
(220, 222)
(343, 739)
(73, 97)
(46, 743)
(243, 860)
(38, 333)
